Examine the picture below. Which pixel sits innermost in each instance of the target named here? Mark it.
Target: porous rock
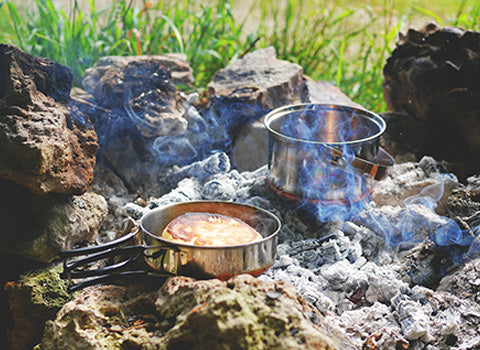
(40, 226)
(432, 83)
(43, 145)
(33, 299)
(242, 313)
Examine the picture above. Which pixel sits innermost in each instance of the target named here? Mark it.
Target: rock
(142, 88)
(23, 76)
(242, 313)
(432, 83)
(175, 63)
(34, 298)
(259, 78)
(324, 92)
(144, 123)
(251, 86)
(40, 226)
(250, 148)
(43, 145)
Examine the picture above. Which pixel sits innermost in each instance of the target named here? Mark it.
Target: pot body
(205, 261)
(314, 150)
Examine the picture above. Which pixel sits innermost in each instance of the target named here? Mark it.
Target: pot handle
(377, 169)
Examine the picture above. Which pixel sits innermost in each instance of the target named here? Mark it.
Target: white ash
(409, 179)
(201, 170)
(465, 282)
(346, 268)
(473, 183)
(411, 224)
(187, 190)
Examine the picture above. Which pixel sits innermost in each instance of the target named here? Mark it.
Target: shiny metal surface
(206, 262)
(316, 151)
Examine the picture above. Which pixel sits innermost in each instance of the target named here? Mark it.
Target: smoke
(321, 145)
(416, 222)
(314, 157)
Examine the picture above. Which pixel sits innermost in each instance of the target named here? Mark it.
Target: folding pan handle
(114, 277)
(78, 268)
(65, 254)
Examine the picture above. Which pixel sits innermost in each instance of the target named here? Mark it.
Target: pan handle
(112, 273)
(74, 269)
(114, 277)
(65, 254)
(166, 256)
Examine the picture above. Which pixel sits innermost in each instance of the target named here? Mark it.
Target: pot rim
(272, 216)
(281, 111)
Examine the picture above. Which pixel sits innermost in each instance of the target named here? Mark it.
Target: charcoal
(431, 83)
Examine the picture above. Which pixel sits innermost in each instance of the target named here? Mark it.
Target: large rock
(242, 313)
(432, 82)
(40, 226)
(43, 145)
(34, 298)
(251, 86)
(143, 122)
(324, 92)
(260, 79)
(175, 63)
(143, 88)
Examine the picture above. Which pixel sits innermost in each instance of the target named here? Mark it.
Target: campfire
(354, 250)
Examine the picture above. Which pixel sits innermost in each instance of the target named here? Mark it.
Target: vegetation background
(344, 42)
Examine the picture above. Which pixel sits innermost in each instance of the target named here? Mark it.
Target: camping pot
(166, 258)
(326, 153)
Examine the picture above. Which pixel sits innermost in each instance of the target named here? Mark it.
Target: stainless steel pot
(325, 152)
(166, 258)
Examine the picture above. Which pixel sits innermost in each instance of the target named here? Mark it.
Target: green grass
(208, 34)
(343, 42)
(348, 43)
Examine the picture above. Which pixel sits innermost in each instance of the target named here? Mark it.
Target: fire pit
(378, 265)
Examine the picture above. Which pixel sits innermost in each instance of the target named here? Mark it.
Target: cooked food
(206, 229)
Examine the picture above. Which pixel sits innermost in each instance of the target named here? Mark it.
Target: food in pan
(206, 229)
